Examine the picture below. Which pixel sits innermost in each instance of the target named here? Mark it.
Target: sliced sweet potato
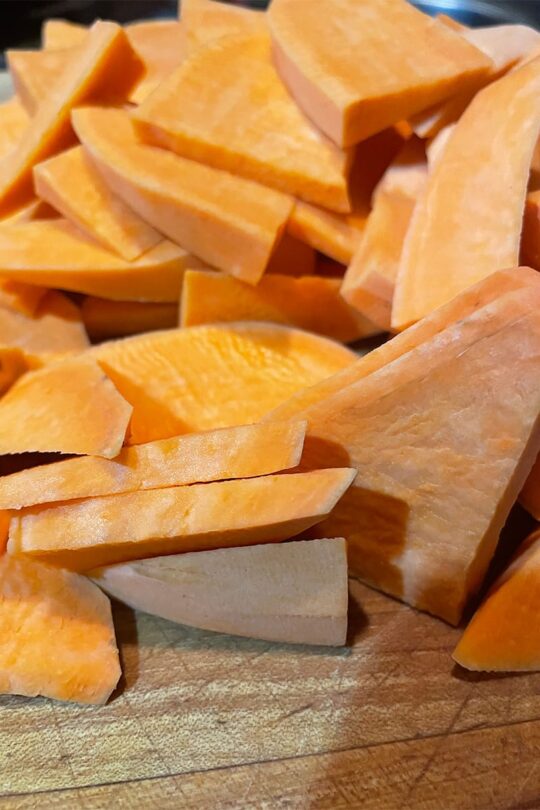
(35, 210)
(161, 44)
(24, 298)
(469, 221)
(288, 592)
(292, 257)
(330, 55)
(308, 302)
(207, 20)
(66, 407)
(283, 150)
(56, 634)
(71, 184)
(207, 377)
(530, 237)
(451, 22)
(530, 494)
(5, 518)
(104, 68)
(101, 531)
(57, 254)
(14, 362)
(246, 451)
(330, 233)
(105, 319)
(34, 73)
(506, 46)
(229, 222)
(13, 123)
(503, 634)
(57, 34)
(462, 307)
(455, 420)
(370, 279)
(54, 327)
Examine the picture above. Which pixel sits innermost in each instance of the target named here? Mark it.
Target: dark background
(20, 20)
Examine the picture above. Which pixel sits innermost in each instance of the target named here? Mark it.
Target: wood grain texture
(208, 721)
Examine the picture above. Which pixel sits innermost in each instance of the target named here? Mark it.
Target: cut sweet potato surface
(57, 34)
(161, 44)
(206, 377)
(21, 297)
(530, 237)
(227, 221)
(13, 123)
(67, 407)
(309, 302)
(530, 494)
(330, 55)
(105, 319)
(289, 592)
(239, 452)
(105, 68)
(406, 426)
(101, 531)
(503, 634)
(460, 308)
(33, 73)
(207, 20)
(332, 234)
(54, 327)
(57, 254)
(14, 362)
(56, 634)
(468, 222)
(209, 110)
(74, 187)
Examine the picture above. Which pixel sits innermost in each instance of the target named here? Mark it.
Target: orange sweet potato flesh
(57, 254)
(57, 34)
(105, 319)
(530, 237)
(463, 306)
(13, 122)
(104, 68)
(14, 362)
(308, 302)
(283, 150)
(530, 494)
(330, 55)
(66, 407)
(245, 451)
(24, 298)
(206, 377)
(207, 20)
(454, 421)
(506, 46)
(56, 634)
(502, 636)
(33, 73)
(468, 222)
(100, 531)
(71, 184)
(55, 326)
(229, 222)
(161, 44)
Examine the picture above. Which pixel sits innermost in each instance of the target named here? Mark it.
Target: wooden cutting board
(209, 721)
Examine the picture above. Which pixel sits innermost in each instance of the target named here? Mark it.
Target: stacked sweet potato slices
(227, 199)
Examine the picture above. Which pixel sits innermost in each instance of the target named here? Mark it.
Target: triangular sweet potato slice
(54, 327)
(330, 54)
(67, 407)
(207, 20)
(443, 439)
(34, 73)
(461, 307)
(161, 44)
(56, 634)
(57, 254)
(332, 234)
(503, 635)
(57, 34)
(230, 222)
(288, 592)
(468, 222)
(308, 302)
(105, 319)
(283, 150)
(246, 451)
(71, 184)
(100, 531)
(14, 121)
(104, 68)
(206, 377)
(506, 46)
